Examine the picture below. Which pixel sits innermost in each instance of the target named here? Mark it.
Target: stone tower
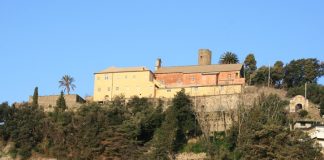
(158, 64)
(204, 57)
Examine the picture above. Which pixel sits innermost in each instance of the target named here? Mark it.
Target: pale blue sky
(40, 41)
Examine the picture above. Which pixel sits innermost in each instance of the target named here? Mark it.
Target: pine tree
(300, 71)
(250, 67)
(277, 73)
(260, 76)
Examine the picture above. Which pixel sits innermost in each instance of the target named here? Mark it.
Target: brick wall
(199, 79)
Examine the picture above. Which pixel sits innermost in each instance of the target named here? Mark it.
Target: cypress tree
(35, 98)
(60, 103)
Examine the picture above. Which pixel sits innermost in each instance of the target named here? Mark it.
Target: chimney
(158, 64)
(204, 57)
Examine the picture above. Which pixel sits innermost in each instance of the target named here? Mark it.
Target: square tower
(204, 57)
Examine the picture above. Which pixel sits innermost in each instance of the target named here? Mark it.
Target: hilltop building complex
(204, 79)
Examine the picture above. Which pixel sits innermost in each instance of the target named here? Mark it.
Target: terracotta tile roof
(201, 68)
(123, 69)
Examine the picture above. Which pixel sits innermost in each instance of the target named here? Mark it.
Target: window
(99, 89)
(237, 75)
(169, 90)
(303, 124)
(106, 77)
(108, 89)
(117, 88)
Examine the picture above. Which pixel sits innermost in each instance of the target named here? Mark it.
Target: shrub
(303, 113)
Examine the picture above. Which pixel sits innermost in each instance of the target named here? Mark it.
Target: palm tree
(229, 58)
(67, 83)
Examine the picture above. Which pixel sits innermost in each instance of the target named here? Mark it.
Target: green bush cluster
(117, 131)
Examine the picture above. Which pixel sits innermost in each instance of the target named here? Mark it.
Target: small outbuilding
(298, 103)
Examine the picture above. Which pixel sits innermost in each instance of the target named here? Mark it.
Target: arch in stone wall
(297, 103)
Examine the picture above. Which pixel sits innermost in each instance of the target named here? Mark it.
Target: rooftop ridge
(200, 68)
(200, 65)
(114, 69)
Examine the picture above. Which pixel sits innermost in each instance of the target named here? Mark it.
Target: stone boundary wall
(49, 102)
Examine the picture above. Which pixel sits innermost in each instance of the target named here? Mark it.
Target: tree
(277, 73)
(250, 67)
(300, 71)
(182, 105)
(260, 76)
(23, 126)
(60, 103)
(229, 58)
(179, 125)
(164, 138)
(35, 98)
(67, 83)
(150, 122)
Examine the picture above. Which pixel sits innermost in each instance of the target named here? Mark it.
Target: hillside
(141, 129)
(252, 92)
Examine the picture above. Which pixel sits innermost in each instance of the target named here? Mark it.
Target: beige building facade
(204, 79)
(128, 82)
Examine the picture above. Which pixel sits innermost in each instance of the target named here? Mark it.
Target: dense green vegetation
(140, 129)
(262, 132)
(118, 131)
(292, 77)
(179, 125)
(294, 74)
